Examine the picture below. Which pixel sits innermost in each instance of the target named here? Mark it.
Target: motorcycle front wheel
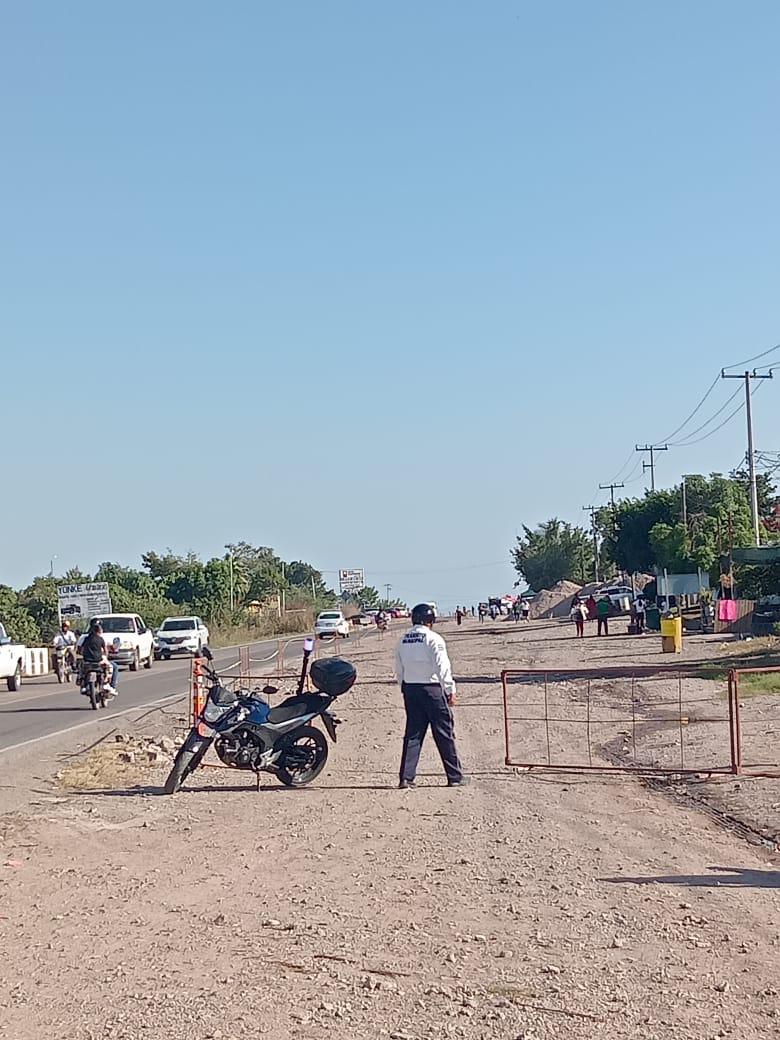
(303, 758)
(59, 672)
(187, 761)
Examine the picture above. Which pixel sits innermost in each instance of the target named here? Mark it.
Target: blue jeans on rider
(114, 674)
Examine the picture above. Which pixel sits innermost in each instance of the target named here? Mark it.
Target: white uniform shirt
(63, 640)
(421, 657)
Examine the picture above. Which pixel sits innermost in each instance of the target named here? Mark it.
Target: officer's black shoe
(404, 784)
(463, 782)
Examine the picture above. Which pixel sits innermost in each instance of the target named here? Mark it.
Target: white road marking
(172, 697)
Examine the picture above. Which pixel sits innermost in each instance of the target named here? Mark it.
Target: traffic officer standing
(423, 669)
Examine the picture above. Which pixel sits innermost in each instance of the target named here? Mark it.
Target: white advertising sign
(81, 602)
(351, 580)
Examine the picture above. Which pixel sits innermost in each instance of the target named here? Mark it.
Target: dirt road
(534, 906)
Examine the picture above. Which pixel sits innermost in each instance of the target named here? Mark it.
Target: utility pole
(230, 558)
(388, 586)
(751, 456)
(685, 504)
(592, 511)
(611, 488)
(652, 449)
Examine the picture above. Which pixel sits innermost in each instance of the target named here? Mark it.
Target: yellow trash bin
(671, 635)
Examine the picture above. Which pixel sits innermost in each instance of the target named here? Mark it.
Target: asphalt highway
(43, 707)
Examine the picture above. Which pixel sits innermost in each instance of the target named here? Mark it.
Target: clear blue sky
(373, 284)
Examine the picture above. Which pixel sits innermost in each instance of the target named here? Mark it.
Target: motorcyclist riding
(95, 652)
(66, 641)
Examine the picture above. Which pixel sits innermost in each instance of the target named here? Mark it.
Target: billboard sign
(351, 581)
(81, 602)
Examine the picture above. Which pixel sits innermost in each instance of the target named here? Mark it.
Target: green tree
(40, 600)
(214, 601)
(671, 547)
(303, 575)
(186, 586)
(766, 492)
(554, 551)
(165, 565)
(649, 532)
(367, 597)
(19, 623)
(627, 538)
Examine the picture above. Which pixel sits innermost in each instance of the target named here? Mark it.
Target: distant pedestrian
(640, 612)
(516, 610)
(423, 669)
(592, 606)
(526, 610)
(459, 615)
(603, 610)
(482, 611)
(473, 614)
(579, 615)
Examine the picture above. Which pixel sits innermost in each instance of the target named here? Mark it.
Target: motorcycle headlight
(212, 712)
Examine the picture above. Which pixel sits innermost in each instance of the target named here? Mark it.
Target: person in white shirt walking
(422, 667)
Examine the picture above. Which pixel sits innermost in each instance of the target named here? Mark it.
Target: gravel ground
(533, 905)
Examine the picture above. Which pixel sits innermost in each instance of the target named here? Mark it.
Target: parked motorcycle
(62, 662)
(92, 679)
(248, 734)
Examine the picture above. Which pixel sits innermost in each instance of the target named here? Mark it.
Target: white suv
(331, 623)
(181, 635)
(128, 639)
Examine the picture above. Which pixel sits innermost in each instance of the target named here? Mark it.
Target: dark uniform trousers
(426, 705)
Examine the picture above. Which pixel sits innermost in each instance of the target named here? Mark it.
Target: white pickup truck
(11, 661)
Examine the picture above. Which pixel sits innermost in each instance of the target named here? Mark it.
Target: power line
(707, 423)
(624, 467)
(726, 421)
(712, 432)
(666, 440)
(750, 360)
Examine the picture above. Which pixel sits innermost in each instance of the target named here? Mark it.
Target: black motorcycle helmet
(95, 626)
(423, 614)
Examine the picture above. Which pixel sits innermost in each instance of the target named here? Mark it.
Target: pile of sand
(555, 602)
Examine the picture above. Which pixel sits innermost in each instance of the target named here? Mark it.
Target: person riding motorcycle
(94, 651)
(66, 641)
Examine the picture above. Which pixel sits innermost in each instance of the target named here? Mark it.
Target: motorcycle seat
(295, 706)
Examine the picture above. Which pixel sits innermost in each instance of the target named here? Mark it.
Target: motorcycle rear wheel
(92, 696)
(303, 758)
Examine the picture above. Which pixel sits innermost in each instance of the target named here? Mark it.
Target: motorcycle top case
(333, 676)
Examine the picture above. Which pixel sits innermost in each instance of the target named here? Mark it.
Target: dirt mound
(555, 602)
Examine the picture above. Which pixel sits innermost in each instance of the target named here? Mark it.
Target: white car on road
(181, 635)
(11, 661)
(331, 623)
(128, 638)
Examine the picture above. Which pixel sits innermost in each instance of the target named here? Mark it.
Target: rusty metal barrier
(244, 679)
(659, 720)
(755, 712)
